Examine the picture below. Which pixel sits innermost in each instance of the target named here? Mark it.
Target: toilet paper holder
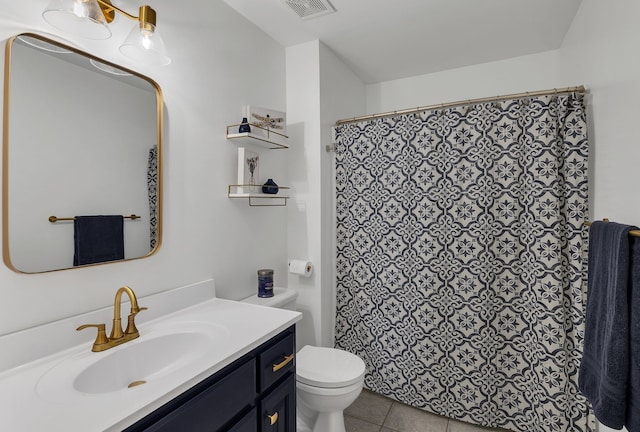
(300, 267)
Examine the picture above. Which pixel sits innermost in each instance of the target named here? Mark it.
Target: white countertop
(25, 407)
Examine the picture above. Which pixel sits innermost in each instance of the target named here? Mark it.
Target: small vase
(270, 187)
(244, 127)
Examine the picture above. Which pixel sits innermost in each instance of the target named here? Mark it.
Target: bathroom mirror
(81, 137)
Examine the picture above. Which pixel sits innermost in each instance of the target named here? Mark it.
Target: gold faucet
(117, 337)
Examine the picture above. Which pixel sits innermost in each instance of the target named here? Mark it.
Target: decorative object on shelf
(244, 126)
(260, 126)
(267, 121)
(265, 283)
(270, 187)
(252, 163)
(248, 164)
(91, 18)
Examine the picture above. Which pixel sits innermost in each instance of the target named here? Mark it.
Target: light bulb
(78, 17)
(144, 44)
(146, 40)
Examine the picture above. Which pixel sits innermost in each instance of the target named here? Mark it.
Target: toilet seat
(329, 391)
(328, 367)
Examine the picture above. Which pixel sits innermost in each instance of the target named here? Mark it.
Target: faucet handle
(101, 337)
(135, 309)
(131, 323)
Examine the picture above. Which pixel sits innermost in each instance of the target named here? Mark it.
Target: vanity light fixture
(91, 18)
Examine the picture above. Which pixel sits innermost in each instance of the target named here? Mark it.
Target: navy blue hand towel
(633, 392)
(604, 370)
(98, 239)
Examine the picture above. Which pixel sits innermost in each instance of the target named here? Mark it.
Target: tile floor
(372, 412)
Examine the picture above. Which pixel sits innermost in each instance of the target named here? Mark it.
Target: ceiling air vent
(307, 9)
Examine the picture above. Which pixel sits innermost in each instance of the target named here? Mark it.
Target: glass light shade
(78, 17)
(108, 68)
(46, 46)
(144, 44)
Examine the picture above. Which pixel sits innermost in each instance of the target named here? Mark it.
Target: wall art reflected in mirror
(82, 159)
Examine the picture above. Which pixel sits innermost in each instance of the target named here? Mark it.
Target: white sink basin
(156, 355)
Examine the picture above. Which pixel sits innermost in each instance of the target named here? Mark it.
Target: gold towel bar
(633, 233)
(53, 219)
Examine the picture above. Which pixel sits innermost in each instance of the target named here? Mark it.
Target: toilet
(328, 380)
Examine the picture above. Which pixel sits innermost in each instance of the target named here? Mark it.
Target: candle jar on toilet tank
(265, 283)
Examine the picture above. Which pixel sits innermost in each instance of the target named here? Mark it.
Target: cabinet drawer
(248, 423)
(213, 407)
(275, 362)
(278, 408)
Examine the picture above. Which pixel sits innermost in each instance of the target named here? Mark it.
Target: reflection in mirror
(82, 137)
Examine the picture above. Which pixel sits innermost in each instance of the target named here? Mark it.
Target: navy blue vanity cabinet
(248, 423)
(278, 408)
(277, 385)
(276, 361)
(253, 394)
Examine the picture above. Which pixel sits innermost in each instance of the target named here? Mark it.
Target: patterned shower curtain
(461, 259)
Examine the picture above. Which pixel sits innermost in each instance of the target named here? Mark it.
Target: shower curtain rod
(579, 89)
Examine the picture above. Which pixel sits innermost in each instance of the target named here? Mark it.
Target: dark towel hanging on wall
(632, 421)
(608, 357)
(98, 239)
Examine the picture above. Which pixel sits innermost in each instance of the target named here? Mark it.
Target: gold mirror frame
(6, 253)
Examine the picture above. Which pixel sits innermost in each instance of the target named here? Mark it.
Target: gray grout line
(387, 415)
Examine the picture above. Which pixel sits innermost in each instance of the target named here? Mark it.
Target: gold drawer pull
(273, 419)
(286, 361)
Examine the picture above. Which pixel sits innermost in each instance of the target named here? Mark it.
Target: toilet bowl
(328, 380)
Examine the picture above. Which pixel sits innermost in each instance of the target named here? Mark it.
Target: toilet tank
(283, 298)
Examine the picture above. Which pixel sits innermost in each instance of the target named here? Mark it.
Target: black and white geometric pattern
(152, 187)
(461, 259)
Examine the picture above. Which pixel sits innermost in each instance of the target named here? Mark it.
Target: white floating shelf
(262, 137)
(257, 199)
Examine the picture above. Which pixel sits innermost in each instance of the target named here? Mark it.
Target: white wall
(320, 90)
(533, 72)
(303, 117)
(600, 51)
(220, 62)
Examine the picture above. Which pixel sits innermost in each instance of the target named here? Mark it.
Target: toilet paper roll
(300, 267)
